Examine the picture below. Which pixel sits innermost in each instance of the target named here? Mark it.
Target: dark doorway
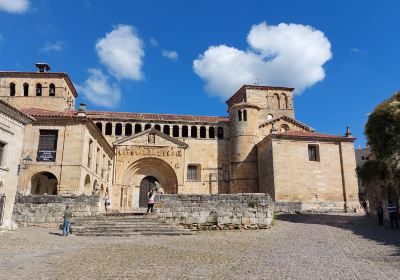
(147, 183)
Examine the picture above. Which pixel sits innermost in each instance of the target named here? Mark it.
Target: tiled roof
(307, 134)
(36, 112)
(153, 117)
(11, 74)
(15, 112)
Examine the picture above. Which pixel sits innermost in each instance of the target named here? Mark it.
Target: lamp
(25, 161)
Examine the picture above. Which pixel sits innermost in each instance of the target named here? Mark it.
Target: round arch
(87, 189)
(154, 167)
(44, 183)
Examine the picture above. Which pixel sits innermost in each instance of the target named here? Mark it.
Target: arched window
(52, 90)
(275, 101)
(26, 89)
(138, 128)
(284, 101)
(203, 132)
(38, 89)
(166, 129)
(12, 89)
(244, 115)
(128, 129)
(108, 128)
(193, 131)
(175, 131)
(157, 127)
(220, 133)
(284, 127)
(118, 129)
(99, 126)
(185, 131)
(147, 126)
(239, 115)
(211, 132)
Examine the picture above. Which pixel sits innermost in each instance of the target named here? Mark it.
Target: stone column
(123, 129)
(112, 129)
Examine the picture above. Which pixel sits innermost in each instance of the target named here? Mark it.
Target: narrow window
(166, 129)
(138, 128)
(244, 115)
(26, 89)
(118, 129)
(211, 132)
(313, 153)
(12, 89)
(175, 131)
(38, 89)
(52, 90)
(108, 128)
(240, 115)
(202, 132)
(185, 131)
(47, 147)
(192, 172)
(99, 126)
(193, 131)
(97, 160)
(157, 127)
(128, 129)
(220, 133)
(90, 149)
(2, 146)
(147, 126)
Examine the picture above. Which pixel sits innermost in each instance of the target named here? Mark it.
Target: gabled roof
(244, 87)
(15, 113)
(289, 119)
(17, 74)
(156, 132)
(154, 117)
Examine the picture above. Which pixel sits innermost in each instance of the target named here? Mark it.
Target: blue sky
(353, 65)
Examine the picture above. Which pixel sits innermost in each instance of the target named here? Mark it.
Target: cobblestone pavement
(297, 247)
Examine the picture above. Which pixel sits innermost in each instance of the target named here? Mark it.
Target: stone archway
(147, 184)
(44, 183)
(87, 189)
(147, 167)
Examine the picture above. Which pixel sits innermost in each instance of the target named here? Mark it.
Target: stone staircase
(124, 224)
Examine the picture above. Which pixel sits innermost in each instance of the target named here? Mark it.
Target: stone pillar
(112, 129)
(123, 129)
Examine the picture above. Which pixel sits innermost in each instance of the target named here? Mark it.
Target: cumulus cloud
(98, 90)
(121, 51)
(14, 6)
(282, 55)
(53, 47)
(173, 55)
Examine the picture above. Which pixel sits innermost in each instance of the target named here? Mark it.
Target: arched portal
(148, 183)
(153, 170)
(44, 183)
(87, 189)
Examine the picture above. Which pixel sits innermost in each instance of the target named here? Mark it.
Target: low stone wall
(220, 211)
(48, 210)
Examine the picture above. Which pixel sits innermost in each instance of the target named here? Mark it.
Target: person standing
(379, 212)
(67, 220)
(150, 205)
(107, 202)
(392, 210)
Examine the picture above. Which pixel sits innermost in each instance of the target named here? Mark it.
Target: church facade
(258, 147)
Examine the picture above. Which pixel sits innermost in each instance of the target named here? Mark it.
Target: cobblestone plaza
(340, 246)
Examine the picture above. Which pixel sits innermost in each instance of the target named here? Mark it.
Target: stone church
(259, 147)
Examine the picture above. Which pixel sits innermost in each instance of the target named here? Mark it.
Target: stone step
(120, 227)
(127, 234)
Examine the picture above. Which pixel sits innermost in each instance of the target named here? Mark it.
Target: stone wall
(223, 211)
(49, 209)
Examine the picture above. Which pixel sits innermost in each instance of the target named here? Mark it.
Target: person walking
(107, 202)
(150, 205)
(67, 220)
(379, 212)
(392, 210)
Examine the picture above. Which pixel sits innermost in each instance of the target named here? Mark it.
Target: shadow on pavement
(365, 227)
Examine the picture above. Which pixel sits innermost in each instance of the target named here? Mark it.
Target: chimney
(42, 67)
(81, 110)
(348, 132)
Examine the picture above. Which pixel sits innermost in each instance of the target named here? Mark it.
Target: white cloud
(355, 50)
(53, 46)
(98, 90)
(154, 42)
(14, 6)
(121, 51)
(282, 55)
(173, 55)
